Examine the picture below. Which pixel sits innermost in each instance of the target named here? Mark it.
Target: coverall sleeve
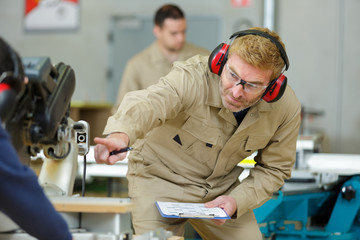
(274, 162)
(142, 110)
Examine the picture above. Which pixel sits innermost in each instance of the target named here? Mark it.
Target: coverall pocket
(249, 145)
(199, 140)
(255, 143)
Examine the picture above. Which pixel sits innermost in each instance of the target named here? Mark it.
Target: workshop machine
(36, 115)
(320, 202)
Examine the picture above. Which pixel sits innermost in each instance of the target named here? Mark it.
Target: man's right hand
(113, 142)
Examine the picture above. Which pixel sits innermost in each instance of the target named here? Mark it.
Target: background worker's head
(6, 62)
(170, 27)
(11, 68)
(12, 80)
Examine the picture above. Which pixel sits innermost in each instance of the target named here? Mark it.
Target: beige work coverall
(190, 147)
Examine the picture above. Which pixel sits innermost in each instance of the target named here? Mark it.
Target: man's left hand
(225, 202)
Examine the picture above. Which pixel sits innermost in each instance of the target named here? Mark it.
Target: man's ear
(156, 31)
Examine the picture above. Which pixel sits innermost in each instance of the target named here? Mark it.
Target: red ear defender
(276, 89)
(4, 87)
(217, 58)
(7, 101)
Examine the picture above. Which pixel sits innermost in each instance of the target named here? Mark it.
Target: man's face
(172, 34)
(235, 96)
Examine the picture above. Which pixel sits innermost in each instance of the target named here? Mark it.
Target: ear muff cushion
(218, 58)
(275, 89)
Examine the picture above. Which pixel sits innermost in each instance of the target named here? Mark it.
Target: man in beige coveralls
(197, 126)
(146, 68)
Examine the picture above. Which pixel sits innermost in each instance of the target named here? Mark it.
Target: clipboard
(190, 210)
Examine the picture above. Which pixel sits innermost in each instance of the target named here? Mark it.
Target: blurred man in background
(146, 68)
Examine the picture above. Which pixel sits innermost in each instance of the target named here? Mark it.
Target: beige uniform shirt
(190, 139)
(146, 68)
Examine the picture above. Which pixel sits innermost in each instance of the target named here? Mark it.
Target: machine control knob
(348, 192)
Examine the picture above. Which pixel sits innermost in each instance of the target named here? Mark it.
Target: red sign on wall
(51, 14)
(241, 3)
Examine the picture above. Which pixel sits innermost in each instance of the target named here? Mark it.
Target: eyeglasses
(248, 87)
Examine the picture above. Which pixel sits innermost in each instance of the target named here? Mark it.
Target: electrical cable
(83, 178)
(82, 187)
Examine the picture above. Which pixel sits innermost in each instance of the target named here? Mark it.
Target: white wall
(322, 44)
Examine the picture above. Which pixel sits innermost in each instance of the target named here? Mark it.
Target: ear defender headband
(219, 55)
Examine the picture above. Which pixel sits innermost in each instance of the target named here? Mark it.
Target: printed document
(189, 210)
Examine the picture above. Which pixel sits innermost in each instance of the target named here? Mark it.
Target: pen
(121, 150)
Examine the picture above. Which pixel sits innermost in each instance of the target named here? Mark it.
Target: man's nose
(181, 37)
(238, 90)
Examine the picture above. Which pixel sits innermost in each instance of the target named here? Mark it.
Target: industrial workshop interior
(290, 184)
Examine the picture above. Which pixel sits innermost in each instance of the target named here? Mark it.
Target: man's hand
(225, 202)
(113, 142)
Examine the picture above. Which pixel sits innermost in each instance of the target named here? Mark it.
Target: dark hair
(167, 11)
(10, 62)
(6, 62)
